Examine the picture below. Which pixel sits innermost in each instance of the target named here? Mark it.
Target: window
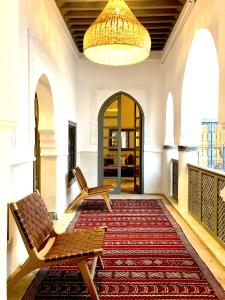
(72, 149)
(212, 146)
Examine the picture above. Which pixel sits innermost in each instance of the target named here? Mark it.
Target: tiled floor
(216, 268)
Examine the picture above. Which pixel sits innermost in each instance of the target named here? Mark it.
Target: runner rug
(146, 256)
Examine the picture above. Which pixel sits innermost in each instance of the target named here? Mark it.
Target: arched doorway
(200, 99)
(200, 92)
(120, 144)
(44, 167)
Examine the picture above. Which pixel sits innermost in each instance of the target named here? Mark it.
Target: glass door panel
(112, 109)
(110, 122)
(120, 138)
(111, 145)
(127, 184)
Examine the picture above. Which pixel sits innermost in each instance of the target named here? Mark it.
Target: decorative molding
(187, 148)
(7, 123)
(7, 134)
(99, 94)
(48, 144)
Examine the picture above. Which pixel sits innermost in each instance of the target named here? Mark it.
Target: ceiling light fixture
(116, 37)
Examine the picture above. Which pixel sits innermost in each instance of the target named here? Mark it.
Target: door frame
(37, 149)
(102, 110)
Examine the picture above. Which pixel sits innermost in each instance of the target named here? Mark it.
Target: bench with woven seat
(86, 192)
(46, 247)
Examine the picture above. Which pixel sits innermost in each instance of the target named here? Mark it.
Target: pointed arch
(138, 116)
(111, 99)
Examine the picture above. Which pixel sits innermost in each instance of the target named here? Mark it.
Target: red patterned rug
(146, 256)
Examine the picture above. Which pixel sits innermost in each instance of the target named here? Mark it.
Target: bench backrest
(80, 178)
(33, 219)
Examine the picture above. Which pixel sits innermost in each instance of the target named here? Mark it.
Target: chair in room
(86, 192)
(46, 247)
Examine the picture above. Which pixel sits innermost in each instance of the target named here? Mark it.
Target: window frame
(72, 151)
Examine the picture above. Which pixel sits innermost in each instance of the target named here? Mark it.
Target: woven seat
(86, 192)
(46, 247)
(76, 244)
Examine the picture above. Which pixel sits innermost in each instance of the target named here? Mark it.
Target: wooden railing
(175, 178)
(204, 200)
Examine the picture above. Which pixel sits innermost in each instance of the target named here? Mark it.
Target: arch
(121, 95)
(169, 136)
(200, 91)
(43, 101)
(112, 98)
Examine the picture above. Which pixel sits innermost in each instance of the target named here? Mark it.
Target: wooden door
(137, 149)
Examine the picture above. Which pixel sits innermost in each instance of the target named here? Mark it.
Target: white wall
(143, 82)
(205, 14)
(36, 42)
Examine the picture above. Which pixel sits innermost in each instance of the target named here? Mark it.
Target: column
(187, 154)
(169, 152)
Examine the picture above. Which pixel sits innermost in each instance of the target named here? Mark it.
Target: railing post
(187, 155)
(168, 154)
(216, 193)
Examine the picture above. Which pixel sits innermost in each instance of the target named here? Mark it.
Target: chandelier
(116, 37)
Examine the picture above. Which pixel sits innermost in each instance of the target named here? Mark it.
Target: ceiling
(158, 17)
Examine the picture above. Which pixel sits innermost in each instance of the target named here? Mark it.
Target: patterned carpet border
(203, 267)
(219, 291)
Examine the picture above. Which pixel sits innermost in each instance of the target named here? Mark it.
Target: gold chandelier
(116, 37)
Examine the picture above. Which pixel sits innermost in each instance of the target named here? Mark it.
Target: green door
(110, 145)
(113, 150)
(137, 150)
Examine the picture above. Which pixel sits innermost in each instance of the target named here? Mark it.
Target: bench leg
(100, 263)
(88, 280)
(107, 201)
(20, 272)
(75, 202)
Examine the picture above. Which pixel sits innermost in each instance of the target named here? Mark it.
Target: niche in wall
(72, 149)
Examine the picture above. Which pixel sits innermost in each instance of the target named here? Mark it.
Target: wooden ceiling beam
(84, 27)
(158, 17)
(137, 13)
(143, 20)
(142, 4)
(152, 31)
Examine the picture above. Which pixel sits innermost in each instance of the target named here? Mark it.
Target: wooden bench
(86, 192)
(46, 248)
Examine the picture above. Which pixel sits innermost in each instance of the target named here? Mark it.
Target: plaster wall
(37, 42)
(144, 83)
(205, 14)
